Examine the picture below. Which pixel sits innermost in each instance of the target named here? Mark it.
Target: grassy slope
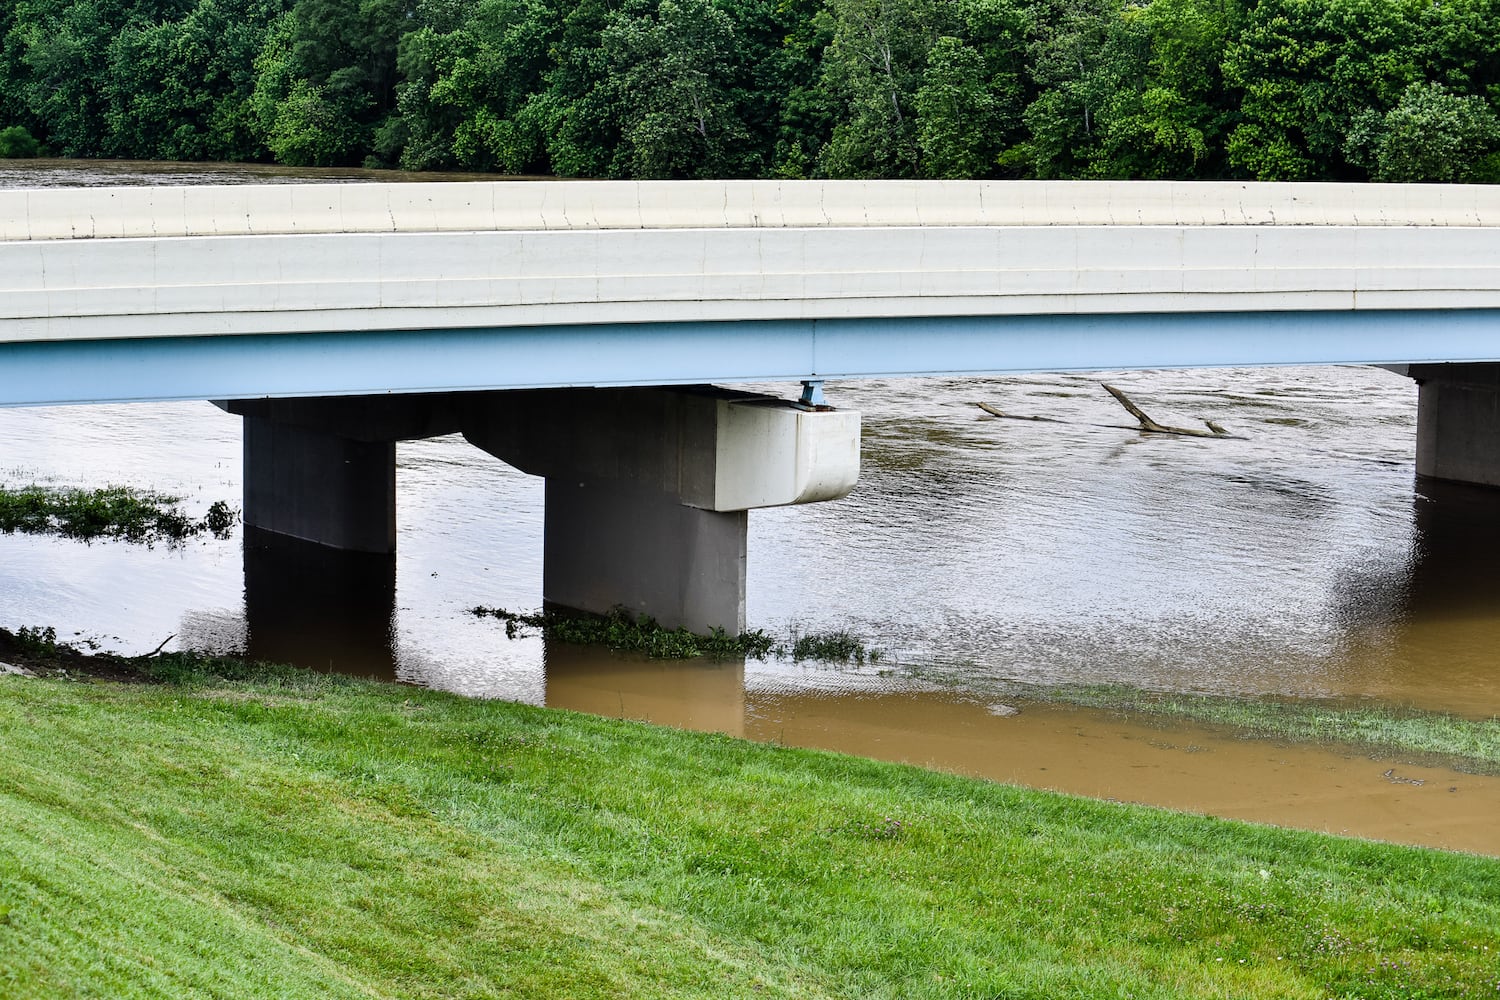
(304, 836)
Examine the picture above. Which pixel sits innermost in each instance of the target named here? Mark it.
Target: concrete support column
(319, 486)
(612, 543)
(1458, 422)
(648, 489)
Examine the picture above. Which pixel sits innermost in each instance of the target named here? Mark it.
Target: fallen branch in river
(997, 412)
(1151, 426)
(1146, 423)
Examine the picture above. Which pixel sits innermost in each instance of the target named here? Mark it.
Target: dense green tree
(56, 51)
(1431, 134)
(1308, 69)
(464, 88)
(798, 112)
(575, 112)
(956, 112)
(672, 70)
(973, 92)
(326, 80)
(180, 90)
(872, 69)
(1272, 89)
(1171, 119)
(16, 142)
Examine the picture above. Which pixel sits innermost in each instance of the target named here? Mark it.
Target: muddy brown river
(986, 558)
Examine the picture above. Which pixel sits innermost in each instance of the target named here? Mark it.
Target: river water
(985, 557)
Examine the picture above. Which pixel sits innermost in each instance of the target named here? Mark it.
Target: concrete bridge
(338, 319)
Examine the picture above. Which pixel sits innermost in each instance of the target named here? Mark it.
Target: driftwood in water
(1151, 426)
(1146, 423)
(996, 412)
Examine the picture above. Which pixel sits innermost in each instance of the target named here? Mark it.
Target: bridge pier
(1458, 422)
(320, 486)
(647, 490)
(612, 543)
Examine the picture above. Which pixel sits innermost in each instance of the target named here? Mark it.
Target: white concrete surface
(719, 450)
(518, 206)
(159, 262)
(770, 454)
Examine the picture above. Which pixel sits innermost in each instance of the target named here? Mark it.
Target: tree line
(1397, 90)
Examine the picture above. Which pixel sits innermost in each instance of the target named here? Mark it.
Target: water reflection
(319, 607)
(1457, 553)
(702, 695)
(1445, 652)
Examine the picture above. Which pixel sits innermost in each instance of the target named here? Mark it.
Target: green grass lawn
(286, 834)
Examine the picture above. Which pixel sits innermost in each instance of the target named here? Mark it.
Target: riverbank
(267, 831)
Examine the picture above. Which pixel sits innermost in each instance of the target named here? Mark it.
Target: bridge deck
(151, 293)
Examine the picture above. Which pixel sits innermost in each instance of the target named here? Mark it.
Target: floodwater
(985, 557)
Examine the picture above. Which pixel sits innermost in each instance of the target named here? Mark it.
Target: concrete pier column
(1458, 422)
(648, 489)
(612, 543)
(319, 486)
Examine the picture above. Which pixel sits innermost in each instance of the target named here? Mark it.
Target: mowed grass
(273, 833)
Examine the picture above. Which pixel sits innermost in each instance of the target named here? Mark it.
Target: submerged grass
(622, 631)
(1471, 745)
(240, 829)
(619, 630)
(109, 512)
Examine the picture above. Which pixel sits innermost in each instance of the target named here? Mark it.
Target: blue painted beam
(328, 364)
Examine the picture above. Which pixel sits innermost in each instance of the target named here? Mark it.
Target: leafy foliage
(1265, 89)
(16, 142)
(111, 512)
(619, 630)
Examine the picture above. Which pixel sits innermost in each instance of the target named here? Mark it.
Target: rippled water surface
(1297, 558)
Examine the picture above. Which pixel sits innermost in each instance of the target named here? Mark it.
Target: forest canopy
(1391, 90)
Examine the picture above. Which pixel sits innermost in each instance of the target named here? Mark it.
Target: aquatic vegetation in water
(1470, 745)
(619, 630)
(837, 646)
(111, 512)
(622, 631)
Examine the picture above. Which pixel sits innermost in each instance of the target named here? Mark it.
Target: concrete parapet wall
(316, 290)
(333, 283)
(121, 212)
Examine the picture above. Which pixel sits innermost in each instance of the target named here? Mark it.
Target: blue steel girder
(359, 362)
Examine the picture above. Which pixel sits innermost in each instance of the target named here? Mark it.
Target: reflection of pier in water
(1450, 631)
(319, 607)
(704, 695)
(1419, 630)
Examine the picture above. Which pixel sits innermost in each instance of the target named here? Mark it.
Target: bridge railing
(508, 206)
